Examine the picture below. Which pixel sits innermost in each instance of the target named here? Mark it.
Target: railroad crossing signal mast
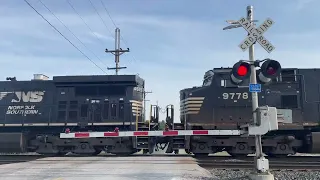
(245, 69)
(117, 51)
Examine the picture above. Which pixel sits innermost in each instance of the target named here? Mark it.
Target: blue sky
(172, 42)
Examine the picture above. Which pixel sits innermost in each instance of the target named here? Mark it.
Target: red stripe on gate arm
(170, 133)
(82, 135)
(111, 134)
(200, 132)
(140, 133)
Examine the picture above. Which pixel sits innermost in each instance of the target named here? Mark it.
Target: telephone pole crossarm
(120, 51)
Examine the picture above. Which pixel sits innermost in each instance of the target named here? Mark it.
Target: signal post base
(261, 165)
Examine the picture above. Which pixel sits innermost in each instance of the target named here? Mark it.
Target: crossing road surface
(102, 168)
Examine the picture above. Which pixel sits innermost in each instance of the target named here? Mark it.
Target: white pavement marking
(101, 168)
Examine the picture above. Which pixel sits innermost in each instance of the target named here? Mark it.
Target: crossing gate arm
(151, 133)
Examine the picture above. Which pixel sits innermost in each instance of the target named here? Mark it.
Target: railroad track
(289, 162)
(178, 155)
(250, 158)
(274, 165)
(211, 157)
(211, 162)
(220, 162)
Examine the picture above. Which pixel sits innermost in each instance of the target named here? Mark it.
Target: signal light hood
(270, 68)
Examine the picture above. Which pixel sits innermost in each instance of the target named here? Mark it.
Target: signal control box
(267, 120)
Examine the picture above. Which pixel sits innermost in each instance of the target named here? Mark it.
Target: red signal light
(271, 71)
(242, 70)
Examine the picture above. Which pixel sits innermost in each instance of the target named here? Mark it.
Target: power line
(100, 18)
(71, 32)
(108, 13)
(63, 36)
(83, 21)
(124, 41)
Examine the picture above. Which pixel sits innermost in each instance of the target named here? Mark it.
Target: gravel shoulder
(218, 174)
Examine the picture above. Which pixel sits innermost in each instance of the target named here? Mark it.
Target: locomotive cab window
(289, 101)
(184, 95)
(222, 83)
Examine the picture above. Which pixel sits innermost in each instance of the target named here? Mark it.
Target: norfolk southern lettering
(23, 110)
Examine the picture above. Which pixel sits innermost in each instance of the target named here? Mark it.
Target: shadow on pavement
(13, 158)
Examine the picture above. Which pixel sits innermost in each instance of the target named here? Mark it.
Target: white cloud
(301, 4)
(23, 67)
(101, 36)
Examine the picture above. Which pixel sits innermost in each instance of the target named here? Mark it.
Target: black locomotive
(33, 113)
(220, 104)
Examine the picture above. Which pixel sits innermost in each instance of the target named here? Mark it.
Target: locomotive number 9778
(235, 95)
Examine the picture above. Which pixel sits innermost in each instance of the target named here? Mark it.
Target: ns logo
(21, 96)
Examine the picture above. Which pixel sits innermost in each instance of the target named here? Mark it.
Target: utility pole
(117, 51)
(144, 103)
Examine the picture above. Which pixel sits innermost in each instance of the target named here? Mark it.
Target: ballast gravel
(221, 174)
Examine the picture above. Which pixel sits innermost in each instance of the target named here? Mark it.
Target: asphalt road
(104, 168)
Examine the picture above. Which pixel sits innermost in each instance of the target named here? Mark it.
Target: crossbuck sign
(256, 34)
